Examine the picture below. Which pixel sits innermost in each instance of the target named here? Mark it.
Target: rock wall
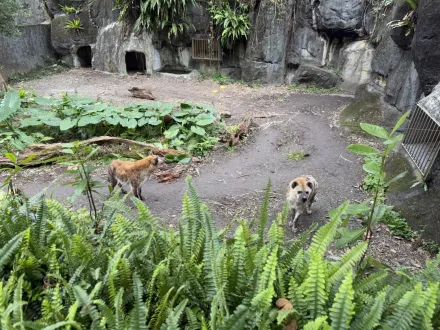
(32, 48)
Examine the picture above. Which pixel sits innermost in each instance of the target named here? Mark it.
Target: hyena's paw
(295, 230)
(309, 211)
(290, 223)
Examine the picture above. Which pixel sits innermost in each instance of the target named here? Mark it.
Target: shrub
(135, 274)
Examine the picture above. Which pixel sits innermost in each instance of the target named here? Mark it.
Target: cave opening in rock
(84, 54)
(135, 62)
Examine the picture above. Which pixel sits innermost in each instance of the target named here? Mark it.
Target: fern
(264, 215)
(18, 317)
(314, 287)
(139, 313)
(348, 260)
(370, 319)
(324, 236)
(318, 324)
(406, 310)
(10, 249)
(172, 322)
(426, 312)
(342, 309)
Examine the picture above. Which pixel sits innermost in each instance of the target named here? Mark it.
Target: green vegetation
(40, 72)
(74, 24)
(71, 9)
(60, 269)
(231, 19)
(296, 155)
(314, 90)
(8, 11)
(156, 16)
(28, 119)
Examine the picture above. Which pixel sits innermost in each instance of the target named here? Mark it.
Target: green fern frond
(59, 211)
(237, 277)
(370, 319)
(264, 215)
(347, 262)
(159, 314)
(319, 323)
(324, 236)
(63, 324)
(294, 246)
(138, 314)
(423, 319)
(17, 314)
(407, 308)
(314, 287)
(41, 218)
(10, 249)
(145, 218)
(193, 323)
(172, 321)
(375, 282)
(342, 309)
(268, 276)
(236, 321)
(194, 199)
(296, 297)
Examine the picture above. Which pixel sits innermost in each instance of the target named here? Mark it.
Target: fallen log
(142, 93)
(170, 175)
(47, 153)
(243, 129)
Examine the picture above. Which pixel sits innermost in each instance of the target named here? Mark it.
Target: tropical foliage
(27, 119)
(232, 20)
(156, 15)
(57, 271)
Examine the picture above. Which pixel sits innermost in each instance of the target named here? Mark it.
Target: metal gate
(422, 138)
(205, 47)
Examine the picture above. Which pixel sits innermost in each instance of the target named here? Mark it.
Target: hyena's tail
(112, 176)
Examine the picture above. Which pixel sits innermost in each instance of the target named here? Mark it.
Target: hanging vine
(156, 16)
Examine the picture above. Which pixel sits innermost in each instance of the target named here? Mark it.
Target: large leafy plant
(156, 15)
(56, 273)
(231, 19)
(190, 127)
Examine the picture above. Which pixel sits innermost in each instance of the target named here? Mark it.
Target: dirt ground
(232, 182)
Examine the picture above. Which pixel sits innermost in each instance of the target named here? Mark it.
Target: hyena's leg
(309, 203)
(111, 177)
(295, 219)
(122, 188)
(140, 193)
(135, 189)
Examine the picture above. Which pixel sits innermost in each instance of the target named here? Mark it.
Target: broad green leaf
(399, 123)
(154, 121)
(11, 157)
(198, 130)
(356, 209)
(393, 140)
(372, 168)
(26, 122)
(46, 101)
(397, 177)
(52, 121)
(379, 212)
(348, 236)
(172, 132)
(361, 149)
(28, 159)
(132, 123)
(205, 119)
(67, 123)
(11, 103)
(89, 120)
(113, 120)
(375, 130)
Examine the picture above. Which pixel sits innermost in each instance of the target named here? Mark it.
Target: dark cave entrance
(84, 54)
(135, 62)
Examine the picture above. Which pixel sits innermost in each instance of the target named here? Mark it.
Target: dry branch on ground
(142, 93)
(243, 128)
(47, 153)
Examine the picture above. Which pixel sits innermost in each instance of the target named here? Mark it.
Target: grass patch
(314, 89)
(39, 72)
(297, 155)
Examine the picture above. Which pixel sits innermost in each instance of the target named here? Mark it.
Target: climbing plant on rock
(156, 16)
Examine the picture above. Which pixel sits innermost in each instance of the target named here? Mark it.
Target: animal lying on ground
(301, 195)
(135, 173)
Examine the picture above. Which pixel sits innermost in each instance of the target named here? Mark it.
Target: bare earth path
(232, 181)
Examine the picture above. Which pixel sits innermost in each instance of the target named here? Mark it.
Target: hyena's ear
(310, 185)
(294, 184)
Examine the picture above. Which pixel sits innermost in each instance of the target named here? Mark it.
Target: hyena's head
(302, 188)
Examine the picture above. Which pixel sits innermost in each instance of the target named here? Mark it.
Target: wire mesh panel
(206, 48)
(422, 140)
